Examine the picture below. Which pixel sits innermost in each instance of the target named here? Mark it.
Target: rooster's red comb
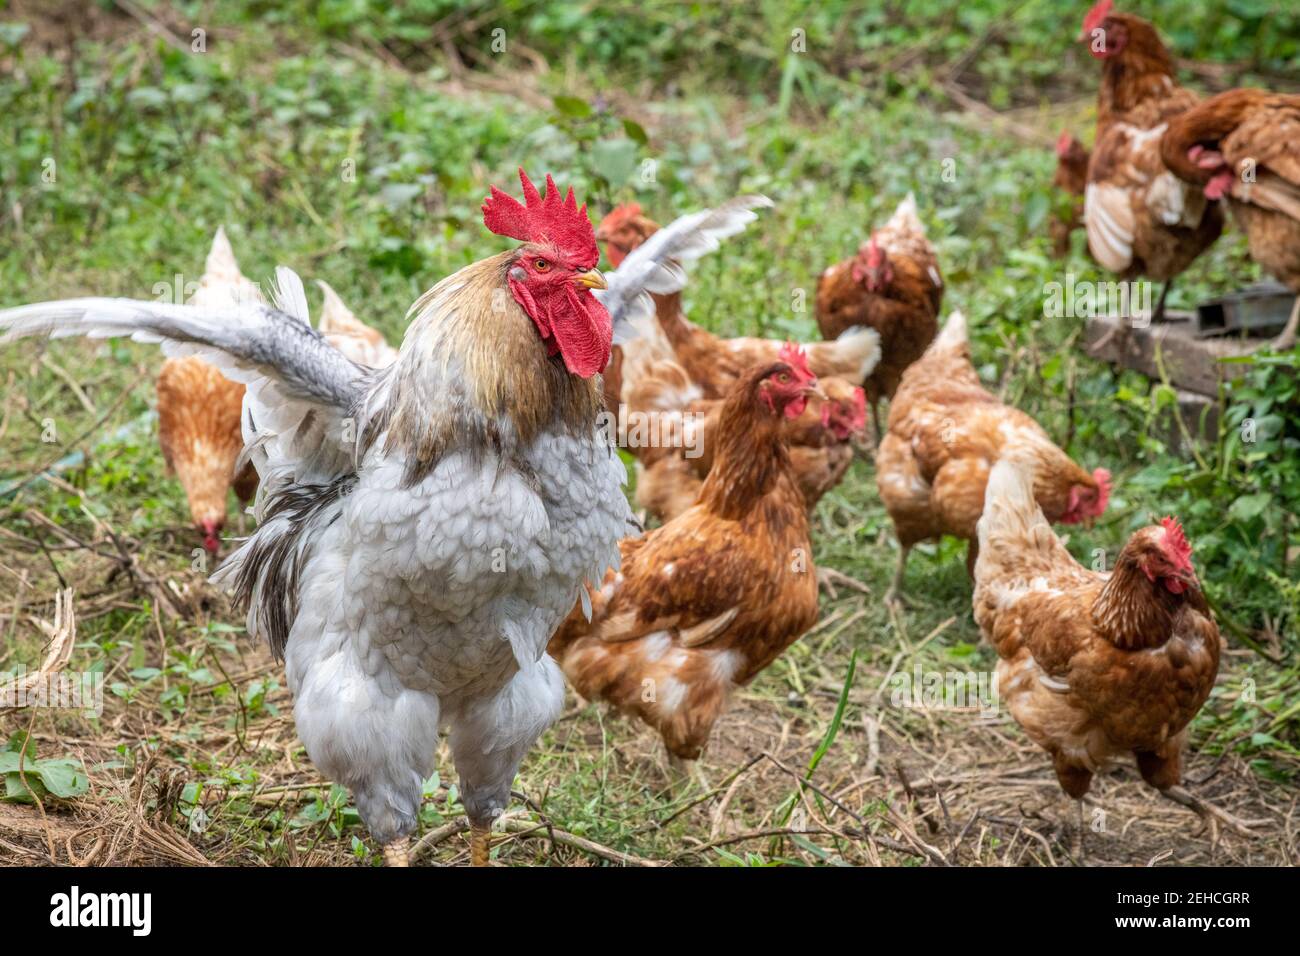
(1063, 143)
(797, 359)
(1176, 544)
(561, 222)
(1096, 16)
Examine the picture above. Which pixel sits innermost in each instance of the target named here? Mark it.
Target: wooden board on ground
(1191, 363)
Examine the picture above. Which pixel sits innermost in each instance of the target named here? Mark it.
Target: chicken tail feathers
(906, 218)
(860, 343)
(953, 335)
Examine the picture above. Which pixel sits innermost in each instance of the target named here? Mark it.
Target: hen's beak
(591, 279)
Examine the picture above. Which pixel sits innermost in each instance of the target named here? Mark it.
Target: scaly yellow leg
(398, 853)
(480, 845)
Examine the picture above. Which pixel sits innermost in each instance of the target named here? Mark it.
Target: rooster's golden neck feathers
(472, 372)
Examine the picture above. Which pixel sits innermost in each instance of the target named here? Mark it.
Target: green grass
(338, 139)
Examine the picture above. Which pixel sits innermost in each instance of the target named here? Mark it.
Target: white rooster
(423, 527)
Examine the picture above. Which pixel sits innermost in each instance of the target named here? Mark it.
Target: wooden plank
(1191, 363)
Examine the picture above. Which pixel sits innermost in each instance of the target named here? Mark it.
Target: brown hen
(1071, 178)
(715, 364)
(1243, 147)
(1093, 665)
(945, 434)
(702, 604)
(892, 285)
(199, 410)
(1141, 219)
(671, 471)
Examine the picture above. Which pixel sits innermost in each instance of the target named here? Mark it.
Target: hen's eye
(784, 378)
(541, 265)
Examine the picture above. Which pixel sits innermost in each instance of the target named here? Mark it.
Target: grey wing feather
(257, 341)
(300, 389)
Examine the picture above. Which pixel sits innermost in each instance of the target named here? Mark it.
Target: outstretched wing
(657, 264)
(300, 388)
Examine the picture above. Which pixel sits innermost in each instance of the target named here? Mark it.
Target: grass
(356, 150)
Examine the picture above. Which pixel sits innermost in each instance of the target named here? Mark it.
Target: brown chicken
(671, 470)
(1141, 219)
(892, 285)
(1243, 147)
(945, 434)
(1093, 665)
(1071, 179)
(713, 363)
(199, 410)
(702, 604)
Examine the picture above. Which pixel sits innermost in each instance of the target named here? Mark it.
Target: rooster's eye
(541, 265)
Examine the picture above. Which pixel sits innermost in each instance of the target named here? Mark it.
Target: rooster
(424, 527)
(1071, 178)
(945, 434)
(1093, 665)
(1141, 219)
(1243, 147)
(715, 364)
(702, 604)
(892, 285)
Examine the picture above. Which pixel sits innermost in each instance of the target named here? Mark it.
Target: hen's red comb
(1098, 14)
(561, 222)
(1176, 544)
(859, 407)
(874, 253)
(1063, 143)
(797, 359)
(1102, 477)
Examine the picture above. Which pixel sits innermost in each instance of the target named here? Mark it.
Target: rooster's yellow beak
(592, 279)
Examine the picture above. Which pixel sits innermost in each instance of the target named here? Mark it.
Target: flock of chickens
(1165, 162)
(442, 536)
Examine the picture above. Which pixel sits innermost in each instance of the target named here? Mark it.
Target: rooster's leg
(1209, 813)
(480, 845)
(894, 596)
(1286, 341)
(398, 853)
